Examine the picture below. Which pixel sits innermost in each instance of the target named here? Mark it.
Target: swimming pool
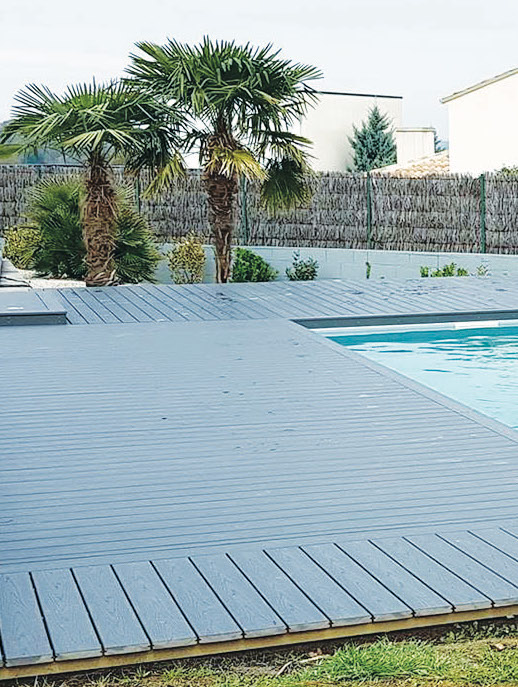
(476, 366)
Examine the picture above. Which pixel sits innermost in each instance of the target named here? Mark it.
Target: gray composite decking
(319, 303)
(223, 481)
(21, 306)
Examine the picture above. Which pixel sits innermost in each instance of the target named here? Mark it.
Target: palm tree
(243, 103)
(98, 124)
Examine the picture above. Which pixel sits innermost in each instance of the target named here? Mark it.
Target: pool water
(478, 367)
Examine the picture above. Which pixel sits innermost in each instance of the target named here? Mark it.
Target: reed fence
(447, 213)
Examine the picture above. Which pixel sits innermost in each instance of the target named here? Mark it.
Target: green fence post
(369, 210)
(244, 211)
(482, 213)
(137, 192)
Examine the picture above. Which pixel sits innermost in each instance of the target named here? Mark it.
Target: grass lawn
(466, 655)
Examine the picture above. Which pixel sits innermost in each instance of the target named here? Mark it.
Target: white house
(330, 123)
(482, 125)
(414, 143)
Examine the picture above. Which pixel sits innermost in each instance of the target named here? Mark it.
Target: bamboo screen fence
(447, 213)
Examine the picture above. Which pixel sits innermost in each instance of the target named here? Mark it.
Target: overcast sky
(420, 49)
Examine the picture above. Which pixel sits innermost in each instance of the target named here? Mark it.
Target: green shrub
(136, 255)
(55, 248)
(187, 260)
(248, 266)
(21, 243)
(302, 270)
(450, 270)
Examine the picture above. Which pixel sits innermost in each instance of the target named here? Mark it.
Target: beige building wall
(330, 124)
(483, 131)
(414, 144)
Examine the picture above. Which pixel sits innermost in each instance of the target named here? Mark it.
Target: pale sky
(420, 49)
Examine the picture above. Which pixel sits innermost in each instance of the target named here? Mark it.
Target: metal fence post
(137, 192)
(482, 213)
(244, 211)
(369, 210)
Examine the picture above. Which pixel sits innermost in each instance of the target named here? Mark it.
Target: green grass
(468, 656)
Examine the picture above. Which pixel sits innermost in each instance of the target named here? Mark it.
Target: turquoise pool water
(478, 367)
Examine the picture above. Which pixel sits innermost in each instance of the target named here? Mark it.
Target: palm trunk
(222, 192)
(99, 225)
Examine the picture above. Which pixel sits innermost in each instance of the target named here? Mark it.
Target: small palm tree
(243, 103)
(98, 124)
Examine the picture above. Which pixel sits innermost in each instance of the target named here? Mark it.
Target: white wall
(346, 263)
(413, 144)
(331, 122)
(483, 128)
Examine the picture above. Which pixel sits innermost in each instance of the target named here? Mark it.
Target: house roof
(480, 84)
(361, 95)
(432, 165)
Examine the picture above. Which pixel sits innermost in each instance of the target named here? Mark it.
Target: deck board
(164, 623)
(118, 627)
(381, 603)
(68, 623)
(23, 635)
(461, 594)
(256, 618)
(206, 614)
(490, 583)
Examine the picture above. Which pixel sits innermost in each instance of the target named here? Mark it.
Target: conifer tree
(373, 143)
(438, 145)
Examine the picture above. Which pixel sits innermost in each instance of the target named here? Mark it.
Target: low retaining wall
(343, 263)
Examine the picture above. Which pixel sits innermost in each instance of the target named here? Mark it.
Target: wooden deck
(204, 485)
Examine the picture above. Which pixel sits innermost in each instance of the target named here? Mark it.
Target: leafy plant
(187, 260)
(21, 242)
(368, 270)
(302, 270)
(482, 271)
(248, 266)
(450, 270)
(243, 103)
(136, 256)
(52, 241)
(508, 172)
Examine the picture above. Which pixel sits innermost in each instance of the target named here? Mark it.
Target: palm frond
(286, 186)
(230, 163)
(165, 176)
(108, 121)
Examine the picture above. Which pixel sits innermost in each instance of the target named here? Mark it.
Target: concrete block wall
(342, 263)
